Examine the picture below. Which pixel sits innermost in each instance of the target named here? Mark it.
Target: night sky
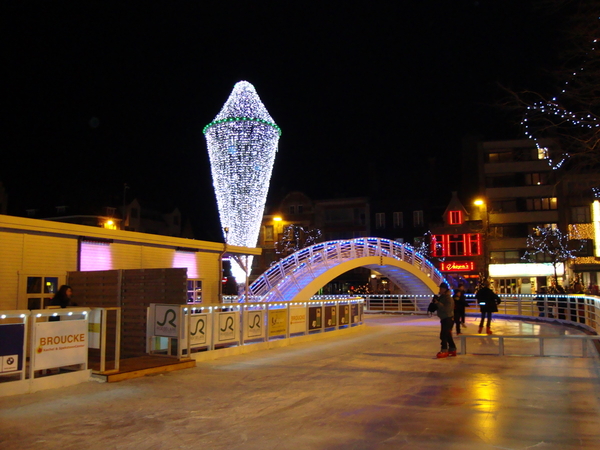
(97, 93)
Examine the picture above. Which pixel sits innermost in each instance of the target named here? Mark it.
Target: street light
(484, 216)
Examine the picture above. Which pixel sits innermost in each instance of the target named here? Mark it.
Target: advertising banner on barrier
(60, 344)
(344, 314)
(277, 322)
(354, 313)
(166, 320)
(11, 347)
(330, 316)
(254, 328)
(227, 327)
(315, 316)
(94, 324)
(199, 332)
(297, 319)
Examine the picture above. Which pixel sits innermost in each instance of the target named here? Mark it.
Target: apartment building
(520, 193)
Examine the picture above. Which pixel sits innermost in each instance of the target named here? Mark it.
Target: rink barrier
(37, 343)
(580, 309)
(99, 322)
(584, 339)
(213, 327)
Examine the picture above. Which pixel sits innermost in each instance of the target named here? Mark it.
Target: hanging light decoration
(242, 142)
(543, 114)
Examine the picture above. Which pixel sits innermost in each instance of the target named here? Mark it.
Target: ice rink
(380, 387)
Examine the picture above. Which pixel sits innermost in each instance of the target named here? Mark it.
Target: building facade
(522, 191)
(519, 190)
(457, 246)
(37, 255)
(313, 221)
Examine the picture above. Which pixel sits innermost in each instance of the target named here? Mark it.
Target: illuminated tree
(296, 237)
(426, 245)
(547, 244)
(242, 142)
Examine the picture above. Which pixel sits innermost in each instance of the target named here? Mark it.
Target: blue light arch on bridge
(300, 275)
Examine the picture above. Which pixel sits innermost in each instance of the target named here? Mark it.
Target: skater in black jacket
(488, 302)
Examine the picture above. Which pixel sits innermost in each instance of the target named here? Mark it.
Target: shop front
(524, 278)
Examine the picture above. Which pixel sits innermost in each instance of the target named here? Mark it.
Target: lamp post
(485, 218)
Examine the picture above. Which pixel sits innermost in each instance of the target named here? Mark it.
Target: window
(300, 209)
(474, 244)
(499, 157)
(418, 218)
(40, 290)
(503, 206)
(134, 213)
(456, 245)
(339, 215)
(532, 227)
(542, 153)
(507, 286)
(536, 179)
(194, 291)
(269, 233)
(542, 258)
(360, 216)
(380, 220)
(455, 217)
(110, 212)
(506, 257)
(438, 245)
(510, 231)
(541, 204)
(525, 154)
(398, 219)
(581, 214)
(582, 247)
(292, 209)
(497, 181)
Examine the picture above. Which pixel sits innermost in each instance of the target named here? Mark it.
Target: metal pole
(220, 268)
(248, 270)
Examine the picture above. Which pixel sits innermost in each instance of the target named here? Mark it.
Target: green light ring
(238, 119)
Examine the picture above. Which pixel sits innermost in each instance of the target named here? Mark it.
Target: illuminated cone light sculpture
(242, 142)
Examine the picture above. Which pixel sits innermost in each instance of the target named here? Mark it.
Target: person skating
(488, 302)
(460, 305)
(445, 311)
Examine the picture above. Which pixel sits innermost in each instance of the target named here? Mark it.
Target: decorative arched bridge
(300, 275)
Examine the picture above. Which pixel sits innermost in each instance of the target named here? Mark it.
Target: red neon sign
(458, 266)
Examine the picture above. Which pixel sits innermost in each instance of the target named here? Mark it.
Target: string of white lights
(559, 115)
(242, 143)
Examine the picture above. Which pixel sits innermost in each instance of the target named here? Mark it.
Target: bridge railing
(576, 308)
(312, 261)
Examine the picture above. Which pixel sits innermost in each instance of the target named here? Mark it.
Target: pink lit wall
(186, 260)
(95, 256)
